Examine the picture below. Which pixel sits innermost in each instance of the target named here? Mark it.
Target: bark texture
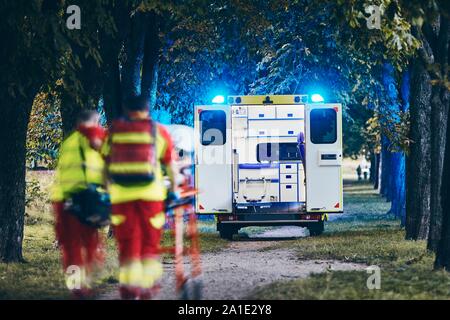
(418, 161)
(142, 48)
(12, 177)
(439, 43)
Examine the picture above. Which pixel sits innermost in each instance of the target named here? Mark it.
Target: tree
(439, 44)
(443, 250)
(429, 111)
(30, 35)
(35, 53)
(142, 49)
(394, 161)
(83, 70)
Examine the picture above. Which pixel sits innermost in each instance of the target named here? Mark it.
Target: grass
(41, 277)
(366, 235)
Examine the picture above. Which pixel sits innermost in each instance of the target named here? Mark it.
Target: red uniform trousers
(137, 237)
(80, 244)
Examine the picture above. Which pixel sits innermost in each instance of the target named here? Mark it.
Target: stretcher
(182, 221)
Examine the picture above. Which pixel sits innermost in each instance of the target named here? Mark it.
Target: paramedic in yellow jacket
(80, 163)
(137, 151)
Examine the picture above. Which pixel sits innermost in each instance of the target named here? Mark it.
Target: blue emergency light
(317, 98)
(218, 99)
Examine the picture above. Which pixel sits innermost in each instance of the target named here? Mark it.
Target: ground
(273, 263)
(248, 263)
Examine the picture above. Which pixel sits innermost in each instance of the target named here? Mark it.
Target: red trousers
(80, 244)
(138, 229)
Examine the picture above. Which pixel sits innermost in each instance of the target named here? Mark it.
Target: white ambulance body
(248, 165)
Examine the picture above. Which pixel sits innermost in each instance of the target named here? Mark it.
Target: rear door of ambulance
(323, 148)
(213, 169)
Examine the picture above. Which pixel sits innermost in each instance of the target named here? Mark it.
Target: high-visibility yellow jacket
(72, 172)
(154, 191)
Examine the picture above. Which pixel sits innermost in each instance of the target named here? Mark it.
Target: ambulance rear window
(284, 151)
(323, 126)
(213, 127)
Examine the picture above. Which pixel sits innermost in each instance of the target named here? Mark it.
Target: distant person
(80, 164)
(301, 149)
(366, 172)
(359, 172)
(137, 151)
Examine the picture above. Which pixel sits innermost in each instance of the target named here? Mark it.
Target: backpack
(133, 156)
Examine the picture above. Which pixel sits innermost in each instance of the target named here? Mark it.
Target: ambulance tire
(226, 233)
(316, 229)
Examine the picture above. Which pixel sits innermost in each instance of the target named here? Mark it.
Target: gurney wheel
(191, 290)
(197, 289)
(184, 291)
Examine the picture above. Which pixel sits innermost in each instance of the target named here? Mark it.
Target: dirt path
(246, 264)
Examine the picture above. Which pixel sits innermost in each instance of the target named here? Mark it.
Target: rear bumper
(265, 220)
(270, 222)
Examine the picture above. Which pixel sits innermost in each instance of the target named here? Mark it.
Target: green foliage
(34, 194)
(206, 53)
(44, 132)
(394, 41)
(373, 133)
(397, 130)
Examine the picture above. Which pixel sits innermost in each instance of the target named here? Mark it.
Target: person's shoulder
(163, 130)
(72, 141)
(72, 137)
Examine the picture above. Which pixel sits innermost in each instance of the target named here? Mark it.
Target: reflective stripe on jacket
(153, 191)
(70, 176)
(132, 158)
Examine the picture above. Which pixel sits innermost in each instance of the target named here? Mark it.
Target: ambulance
(268, 161)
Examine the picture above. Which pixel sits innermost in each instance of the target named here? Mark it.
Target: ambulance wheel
(227, 231)
(316, 229)
(226, 234)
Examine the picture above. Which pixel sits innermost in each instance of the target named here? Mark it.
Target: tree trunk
(76, 98)
(439, 114)
(398, 176)
(402, 192)
(110, 47)
(140, 69)
(112, 94)
(134, 55)
(443, 250)
(69, 113)
(377, 171)
(385, 183)
(372, 167)
(151, 61)
(418, 160)
(394, 175)
(14, 123)
(404, 102)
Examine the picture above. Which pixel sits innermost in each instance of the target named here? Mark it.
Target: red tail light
(311, 216)
(226, 217)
